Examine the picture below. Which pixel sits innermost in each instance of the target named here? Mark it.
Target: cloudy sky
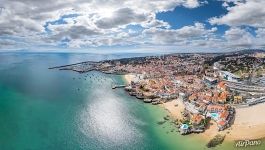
(131, 25)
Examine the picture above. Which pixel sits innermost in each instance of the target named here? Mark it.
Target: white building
(229, 76)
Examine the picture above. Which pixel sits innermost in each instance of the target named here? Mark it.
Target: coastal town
(209, 86)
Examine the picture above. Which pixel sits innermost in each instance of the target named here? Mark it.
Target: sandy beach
(129, 77)
(174, 107)
(249, 122)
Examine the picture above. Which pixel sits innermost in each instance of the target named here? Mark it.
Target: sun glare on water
(106, 117)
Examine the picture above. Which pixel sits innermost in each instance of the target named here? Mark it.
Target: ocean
(44, 109)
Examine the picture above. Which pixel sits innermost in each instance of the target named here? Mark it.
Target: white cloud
(260, 33)
(31, 15)
(249, 12)
(12, 44)
(97, 21)
(237, 37)
(119, 17)
(179, 36)
(192, 4)
(241, 38)
(259, 41)
(225, 4)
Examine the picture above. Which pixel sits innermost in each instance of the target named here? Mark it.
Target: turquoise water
(215, 116)
(44, 109)
(184, 126)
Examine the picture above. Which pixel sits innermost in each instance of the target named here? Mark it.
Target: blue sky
(132, 25)
(182, 16)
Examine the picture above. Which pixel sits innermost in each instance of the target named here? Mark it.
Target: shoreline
(247, 125)
(128, 78)
(174, 108)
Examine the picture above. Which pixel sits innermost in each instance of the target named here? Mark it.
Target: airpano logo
(248, 143)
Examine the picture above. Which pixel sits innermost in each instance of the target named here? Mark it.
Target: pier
(118, 86)
(69, 65)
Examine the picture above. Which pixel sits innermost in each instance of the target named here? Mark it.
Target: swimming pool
(184, 126)
(214, 116)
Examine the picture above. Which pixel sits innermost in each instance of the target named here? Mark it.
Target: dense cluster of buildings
(210, 85)
(204, 89)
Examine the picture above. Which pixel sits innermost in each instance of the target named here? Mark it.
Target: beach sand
(174, 107)
(129, 77)
(249, 122)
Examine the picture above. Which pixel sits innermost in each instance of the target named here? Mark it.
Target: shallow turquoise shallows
(42, 109)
